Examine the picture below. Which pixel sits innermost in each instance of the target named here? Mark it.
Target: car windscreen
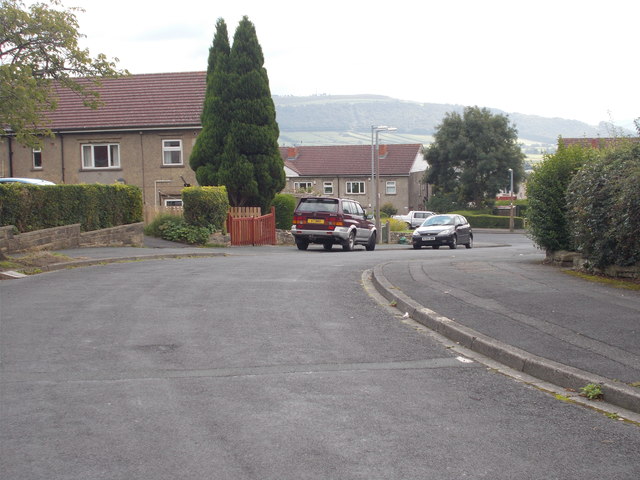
(318, 205)
(439, 220)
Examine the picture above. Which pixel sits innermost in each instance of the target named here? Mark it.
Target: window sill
(107, 169)
(181, 165)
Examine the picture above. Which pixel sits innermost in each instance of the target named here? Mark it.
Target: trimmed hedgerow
(285, 205)
(604, 204)
(546, 190)
(205, 206)
(95, 206)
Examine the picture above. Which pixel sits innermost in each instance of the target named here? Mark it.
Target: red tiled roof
(150, 100)
(349, 159)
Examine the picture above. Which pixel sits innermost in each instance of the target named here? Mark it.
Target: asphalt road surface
(271, 363)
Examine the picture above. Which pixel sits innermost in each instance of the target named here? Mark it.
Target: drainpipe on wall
(144, 201)
(10, 157)
(62, 155)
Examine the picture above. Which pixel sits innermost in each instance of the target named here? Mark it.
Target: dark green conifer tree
(238, 144)
(251, 167)
(207, 152)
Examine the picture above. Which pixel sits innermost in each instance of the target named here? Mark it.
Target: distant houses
(144, 133)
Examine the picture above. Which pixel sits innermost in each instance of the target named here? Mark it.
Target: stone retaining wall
(70, 236)
(575, 261)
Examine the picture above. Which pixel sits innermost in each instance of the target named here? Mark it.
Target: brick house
(145, 131)
(345, 171)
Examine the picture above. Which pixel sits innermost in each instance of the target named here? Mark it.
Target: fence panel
(258, 230)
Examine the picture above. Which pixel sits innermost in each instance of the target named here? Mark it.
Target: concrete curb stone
(544, 369)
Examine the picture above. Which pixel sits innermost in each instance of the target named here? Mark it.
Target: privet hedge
(603, 200)
(546, 191)
(95, 206)
(285, 205)
(205, 206)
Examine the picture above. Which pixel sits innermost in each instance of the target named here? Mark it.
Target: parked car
(30, 181)
(449, 229)
(414, 218)
(329, 221)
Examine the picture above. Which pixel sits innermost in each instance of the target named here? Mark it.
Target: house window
(391, 187)
(302, 186)
(106, 155)
(172, 152)
(328, 188)
(37, 159)
(172, 202)
(355, 188)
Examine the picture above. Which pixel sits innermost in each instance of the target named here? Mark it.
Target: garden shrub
(604, 204)
(388, 209)
(396, 225)
(175, 228)
(285, 204)
(205, 206)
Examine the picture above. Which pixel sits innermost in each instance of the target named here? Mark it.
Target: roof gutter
(129, 129)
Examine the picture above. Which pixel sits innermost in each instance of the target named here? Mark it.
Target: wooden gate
(256, 230)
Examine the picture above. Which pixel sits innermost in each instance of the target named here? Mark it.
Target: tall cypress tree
(207, 152)
(251, 167)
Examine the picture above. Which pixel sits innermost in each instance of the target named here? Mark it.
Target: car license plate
(315, 220)
(429, 239)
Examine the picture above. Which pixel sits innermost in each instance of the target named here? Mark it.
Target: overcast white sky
(575, 59)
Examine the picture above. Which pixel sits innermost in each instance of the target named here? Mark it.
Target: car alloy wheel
(350, 243)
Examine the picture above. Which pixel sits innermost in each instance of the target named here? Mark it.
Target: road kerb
(564, 376)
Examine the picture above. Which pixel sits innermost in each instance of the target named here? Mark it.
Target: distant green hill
(347, 119)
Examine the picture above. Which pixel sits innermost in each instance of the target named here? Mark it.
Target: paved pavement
(529, 317)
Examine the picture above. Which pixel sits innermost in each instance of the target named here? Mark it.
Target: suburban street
(274, 363)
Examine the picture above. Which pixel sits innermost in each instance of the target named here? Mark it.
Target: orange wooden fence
(255, 230)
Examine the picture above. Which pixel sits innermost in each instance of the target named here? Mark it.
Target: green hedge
(205, 206)
(492, 221)
(95, 206)
(285, 205)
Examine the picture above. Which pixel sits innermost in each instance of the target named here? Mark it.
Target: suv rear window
(318, 205)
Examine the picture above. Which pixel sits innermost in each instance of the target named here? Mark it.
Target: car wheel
(454, 243)
(470, 244)
(435, 247)
(417, 246)
(371, 244)
(327, 246)
(350, 243)
(302, 244)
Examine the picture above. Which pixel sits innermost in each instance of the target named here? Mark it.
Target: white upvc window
(391, 187)
(173, 202)
(327, 188)
(302, 186)
(172, 152)
(37, 159)
(355, 188)
(101, 155)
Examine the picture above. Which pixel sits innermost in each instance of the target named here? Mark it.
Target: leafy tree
(471, 155)
(38, 46)
(547, 190)
(249, 162)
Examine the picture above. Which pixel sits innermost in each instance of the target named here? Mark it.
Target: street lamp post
(511, 201)
(375, 172)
